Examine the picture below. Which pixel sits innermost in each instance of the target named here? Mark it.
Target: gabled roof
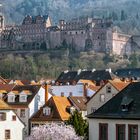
(78, 102)
(4, 106)
(119, 85)
(113, 108)
(58, 106)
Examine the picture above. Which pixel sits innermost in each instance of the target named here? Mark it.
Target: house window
(62, 94)
(70, 94)
(7, 134)
(108, 89)
(103, 131)
(14, 118)
(23, 98)
(132, 132)
(102, 98)
(11, 98)
(2, 116)
(93, 109)
(46, 111)
(120, 132)
(22, 113)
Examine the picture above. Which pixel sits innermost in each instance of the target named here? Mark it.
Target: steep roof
(78, 102)
(113, 108)
(96, 75)
(4, 106)
(128, 73)
(58, 107)
(7, 87)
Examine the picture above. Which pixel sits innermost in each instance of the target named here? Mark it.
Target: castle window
(82, 32)
(76, 33)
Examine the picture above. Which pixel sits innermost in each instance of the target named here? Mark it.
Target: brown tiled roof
(7, 87)
(78, 102)
(94, 88)
(2, 80)
(4, 106)
(119, 85)
(58, 107)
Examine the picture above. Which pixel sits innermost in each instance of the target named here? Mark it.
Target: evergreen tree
(80, 125)
(123, 15)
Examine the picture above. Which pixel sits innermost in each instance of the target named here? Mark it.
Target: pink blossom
(53, 132)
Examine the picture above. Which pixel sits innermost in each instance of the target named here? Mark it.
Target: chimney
(85, 89)
(47, 86)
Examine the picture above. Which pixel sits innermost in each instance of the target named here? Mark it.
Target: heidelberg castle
(81, 34)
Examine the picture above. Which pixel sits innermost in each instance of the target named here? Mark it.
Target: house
(55, 110)
(104, 94)
(79, 103)
(25, 100)
(119, 118)
(11, 127)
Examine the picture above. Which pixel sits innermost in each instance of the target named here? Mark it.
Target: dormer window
(23, 98)
(47, 111)
(11, 97)
(125, 104)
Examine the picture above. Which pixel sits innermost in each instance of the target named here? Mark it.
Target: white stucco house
(26, 100)
(119, 118)
(11, 127)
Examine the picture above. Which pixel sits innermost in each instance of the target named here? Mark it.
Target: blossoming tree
(53, 132)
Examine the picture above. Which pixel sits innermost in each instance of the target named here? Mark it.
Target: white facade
(15, 126)
(101, 97)
(94, 127)
(68, 90)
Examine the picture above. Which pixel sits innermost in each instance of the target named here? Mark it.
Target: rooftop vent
(66, 71)
(79, 71)
(109, 70)
(93, 70)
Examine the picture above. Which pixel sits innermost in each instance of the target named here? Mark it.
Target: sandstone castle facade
(80, 34)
